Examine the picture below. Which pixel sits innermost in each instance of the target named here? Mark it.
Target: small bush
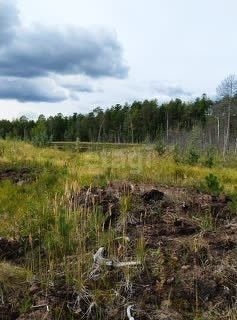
(177, 155)
(209, 160)
(193, 156)
(2, 150)
(160, 147)
(233, 203)
(212, 185)
(39, 135)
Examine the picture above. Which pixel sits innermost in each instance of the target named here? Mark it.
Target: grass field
(38, 188)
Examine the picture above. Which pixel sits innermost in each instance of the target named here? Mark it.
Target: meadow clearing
(169, 214)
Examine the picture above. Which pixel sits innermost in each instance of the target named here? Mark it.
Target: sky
(75, 55)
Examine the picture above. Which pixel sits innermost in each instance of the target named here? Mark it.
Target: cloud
(40, 51)
(155, 89)
(9, 21)
(170, 90)
(76, 84)
(32, 90)
(32, 58)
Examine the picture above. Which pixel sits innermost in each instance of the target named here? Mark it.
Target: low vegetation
(163, 220)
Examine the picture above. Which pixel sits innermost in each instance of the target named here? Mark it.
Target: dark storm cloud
(32, 90)
(40, 51)
(36, 52)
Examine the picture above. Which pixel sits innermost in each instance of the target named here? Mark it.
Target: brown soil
(190, 264)
(10, 249)
(19, 176)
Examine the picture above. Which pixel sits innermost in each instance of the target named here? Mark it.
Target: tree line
(141, 121)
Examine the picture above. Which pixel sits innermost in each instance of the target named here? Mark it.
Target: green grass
(41, 210)
(138, 163)
(12, 277)
(28, 208)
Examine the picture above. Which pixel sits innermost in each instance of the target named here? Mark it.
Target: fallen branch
(75, 307)
(231, 226)
(100, 260)
(2, 297)
(42, 306)
(129, 314)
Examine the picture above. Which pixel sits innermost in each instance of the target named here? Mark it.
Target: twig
(75, 308)
(126, 264)
(100, 260)
(2, 297)
(42, 306)
(129, 309)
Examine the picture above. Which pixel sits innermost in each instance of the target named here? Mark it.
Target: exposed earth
(189, 263)
(18, 175)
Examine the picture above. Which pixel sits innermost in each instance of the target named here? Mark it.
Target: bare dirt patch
(18, 176)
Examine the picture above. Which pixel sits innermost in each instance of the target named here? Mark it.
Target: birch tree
(227, 90)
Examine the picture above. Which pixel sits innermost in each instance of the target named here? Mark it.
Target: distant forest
(141, 121)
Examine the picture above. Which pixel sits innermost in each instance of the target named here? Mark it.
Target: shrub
(2, 150)
(160, 147)
(233, 203)
(177, 156)
(209, 160)
(39, 135)
(212, 185)
(193, 156)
